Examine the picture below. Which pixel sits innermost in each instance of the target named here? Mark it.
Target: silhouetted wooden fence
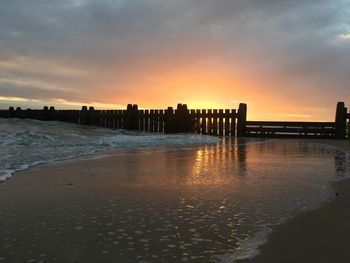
(280, 129)
(229, 122)
(291, 129)
(348, 125)
(201, 121)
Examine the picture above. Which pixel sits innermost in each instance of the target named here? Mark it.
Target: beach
(321, 235)
(209, 203)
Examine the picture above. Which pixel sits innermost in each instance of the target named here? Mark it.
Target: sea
(232, 192)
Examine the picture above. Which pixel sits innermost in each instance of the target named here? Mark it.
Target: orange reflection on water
(213, 164)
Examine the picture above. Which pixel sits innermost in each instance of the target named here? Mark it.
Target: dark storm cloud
(294, 40)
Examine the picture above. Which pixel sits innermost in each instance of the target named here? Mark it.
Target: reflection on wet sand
(202, 204)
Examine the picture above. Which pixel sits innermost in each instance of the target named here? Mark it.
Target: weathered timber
(215, 122)
(221, 122)
(182, 120)
(204, 122)
(290, 129)
(242, 120)
(340, 121)
(233, 123)
(227, 122)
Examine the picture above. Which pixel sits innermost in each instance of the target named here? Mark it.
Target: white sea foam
(25, 143)
(247, 248)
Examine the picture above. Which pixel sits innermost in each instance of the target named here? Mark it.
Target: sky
(287, 59)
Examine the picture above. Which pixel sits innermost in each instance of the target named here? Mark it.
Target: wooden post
(198, 121)
(11, 112)
(29, 113)
(142, 120)
(169, 120)
(131, 117)
(215, 122)
(135, 117)
(146, 116)
(186, 120)
(179, 119)
(161, 121)
(103, 118)
(221, 122)
(127, 117)
(210, 122)
(233, 123)
(18, 112)
(192, 121)
(227, 122)
(347, 118)
(83, 115)
(91, 118)
(242, 120)
(45, 115)
(156, 121)
(340, 121)
(151, 121)
(52, 114)
(204, 122)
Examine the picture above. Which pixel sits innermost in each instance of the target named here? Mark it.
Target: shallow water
(26, 143)
(204, 203)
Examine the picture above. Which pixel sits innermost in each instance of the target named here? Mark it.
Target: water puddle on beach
(206, 203)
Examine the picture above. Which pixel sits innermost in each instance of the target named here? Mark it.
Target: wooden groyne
(217, 122)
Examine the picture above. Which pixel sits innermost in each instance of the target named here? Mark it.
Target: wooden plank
(227, 122)
(103, 118)
(215, 122)
(198, 122)
(204, 122)
(151, 120)
(108, 119)
(136, 119)
(98, 122)
(309, 136)
(192, 121)
(290, 124)
(233, 125)
(123, 119)
(76, 116)
(221, 122)
(4, 114)
(114, 119)
(141, 120)
(291, 130)
(111, 119)
(210, 122)
(161, 121)
(156, 121)
(147, 120)
(120, 119)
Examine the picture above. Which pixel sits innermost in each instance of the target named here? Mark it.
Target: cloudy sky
(288, 59)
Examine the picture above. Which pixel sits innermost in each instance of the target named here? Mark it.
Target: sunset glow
(172, 52)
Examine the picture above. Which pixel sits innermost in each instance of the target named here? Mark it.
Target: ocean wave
(25, 143)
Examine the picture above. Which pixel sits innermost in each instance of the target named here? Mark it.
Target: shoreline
(320, 235)
(73, 182)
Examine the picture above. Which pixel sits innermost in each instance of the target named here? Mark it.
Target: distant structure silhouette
(218, 122)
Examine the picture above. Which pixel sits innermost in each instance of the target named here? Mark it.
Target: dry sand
(322, 235)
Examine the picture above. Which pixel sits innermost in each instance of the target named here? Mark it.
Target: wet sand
(159, 207)
(321, 235)
(101, 210)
